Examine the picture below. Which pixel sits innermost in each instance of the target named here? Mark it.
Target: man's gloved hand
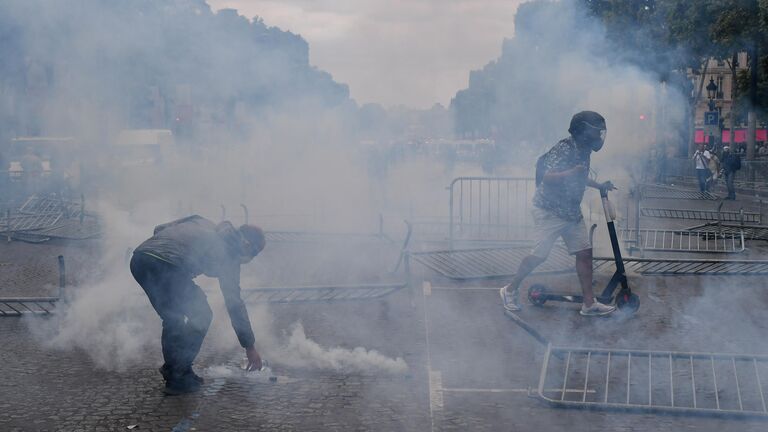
(254, 359)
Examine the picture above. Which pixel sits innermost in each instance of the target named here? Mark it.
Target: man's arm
(604, 185)
(229, 282)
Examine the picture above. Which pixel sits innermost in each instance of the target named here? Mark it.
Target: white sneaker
(597, 309)
(510, 301)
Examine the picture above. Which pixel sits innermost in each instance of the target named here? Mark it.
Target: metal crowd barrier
(682, 241)
(489, 263)
(502, 263)
(27, 305)
(689, 383)
(327, 293)
(310, 237)
(18, 306)
(669, 192)
(41, 218)
(37, 205)
(655, 381)
(756, 188)
(495, 208)
(669, 267)
(751, 232)
(308, 294)
(23, 222)
(708, 215)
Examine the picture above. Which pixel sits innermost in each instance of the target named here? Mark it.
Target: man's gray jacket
(198, 246)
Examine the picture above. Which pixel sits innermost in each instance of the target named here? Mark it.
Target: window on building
(720, 87)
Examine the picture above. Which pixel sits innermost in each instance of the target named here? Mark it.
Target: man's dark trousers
(181, 304)
(729, 184)
(703, 175)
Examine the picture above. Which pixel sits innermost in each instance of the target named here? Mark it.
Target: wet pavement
(469, 366)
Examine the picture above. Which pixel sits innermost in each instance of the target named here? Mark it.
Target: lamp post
(709, 123)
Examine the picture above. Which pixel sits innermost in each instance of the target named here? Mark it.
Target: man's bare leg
(527, 265)
(584, 271)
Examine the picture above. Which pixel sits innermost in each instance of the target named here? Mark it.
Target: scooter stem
(610, 216)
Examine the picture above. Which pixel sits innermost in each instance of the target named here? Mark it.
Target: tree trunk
(692, 117)
(734, 114)
(751, 116)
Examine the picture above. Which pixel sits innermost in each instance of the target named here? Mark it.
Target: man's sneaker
(511, 301)
(165, 371)
(597, 309)
(186, 384)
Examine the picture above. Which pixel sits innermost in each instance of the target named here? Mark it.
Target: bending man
(165, 266)
(562, 175)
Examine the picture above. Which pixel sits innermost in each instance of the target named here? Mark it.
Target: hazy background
(256, 120)
(406, 52)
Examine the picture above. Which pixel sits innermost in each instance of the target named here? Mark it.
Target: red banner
(739, 135)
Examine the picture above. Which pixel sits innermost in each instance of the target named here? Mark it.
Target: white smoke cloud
(415, 53)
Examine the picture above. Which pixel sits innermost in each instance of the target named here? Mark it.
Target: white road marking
(426, 286)
(464, 289)
(509, 390)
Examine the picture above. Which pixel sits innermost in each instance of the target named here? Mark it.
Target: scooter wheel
(628, 302)
(537, 295)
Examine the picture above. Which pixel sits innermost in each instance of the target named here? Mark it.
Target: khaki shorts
(549, 227)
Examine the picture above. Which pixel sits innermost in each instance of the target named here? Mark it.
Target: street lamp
(711, 93)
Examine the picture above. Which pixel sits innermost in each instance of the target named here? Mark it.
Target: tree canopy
(67, 61)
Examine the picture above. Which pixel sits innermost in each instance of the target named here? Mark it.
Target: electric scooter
(625, 300)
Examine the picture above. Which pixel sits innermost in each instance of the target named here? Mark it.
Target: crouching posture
(165, 266)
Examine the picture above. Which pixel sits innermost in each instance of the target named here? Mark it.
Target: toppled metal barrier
(489, 263)
(18, 306)
(41, 218)
(707, 215)
(690, 383)
(668, 267)
(313, 237)
(500, 263)
(751, 232)
(669, 192)
(307, 294)
(682, 241)
(330, 292)
(27, 305)
(655, 381)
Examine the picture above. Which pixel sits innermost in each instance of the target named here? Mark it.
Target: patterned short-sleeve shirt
(563, 199)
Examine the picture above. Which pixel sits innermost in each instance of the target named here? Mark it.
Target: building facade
(730, 128)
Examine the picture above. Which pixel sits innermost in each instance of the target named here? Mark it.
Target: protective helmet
(584, 120)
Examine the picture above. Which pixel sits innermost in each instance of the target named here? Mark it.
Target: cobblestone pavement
(485, 364)
(470, 367)
(28, 269)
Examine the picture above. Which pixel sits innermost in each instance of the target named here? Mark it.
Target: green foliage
(689, 32)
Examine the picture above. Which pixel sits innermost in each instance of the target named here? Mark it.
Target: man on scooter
(562, 175)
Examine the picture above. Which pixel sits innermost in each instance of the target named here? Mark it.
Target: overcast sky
(411, 52)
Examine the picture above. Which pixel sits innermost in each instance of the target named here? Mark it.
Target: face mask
(597, 144)
(247, 253)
